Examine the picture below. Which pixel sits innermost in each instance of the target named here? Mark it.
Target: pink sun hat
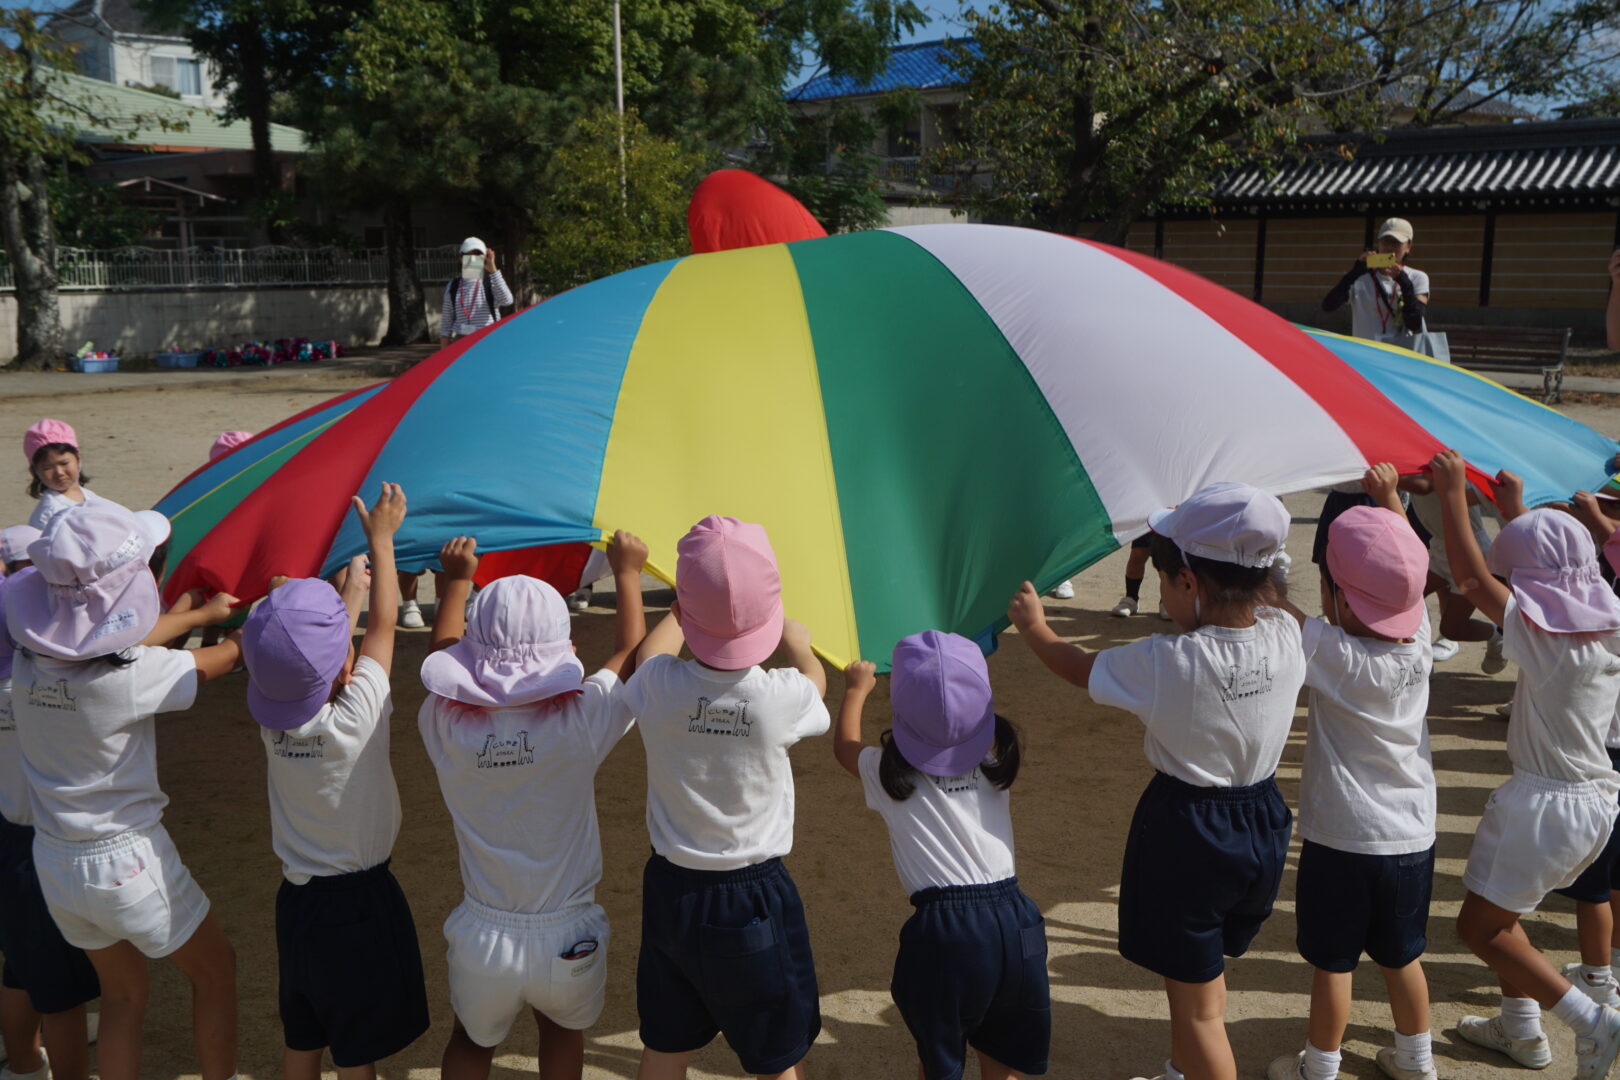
(93, 595)
(944, 715)
(1551, 565)
(227, 441)
(46, 433)
(294, 645)
(730, 593)
(517, 649)
(14, 543)
(1381, 565)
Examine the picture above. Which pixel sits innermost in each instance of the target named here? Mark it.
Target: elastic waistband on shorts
(354, 879)
(1194, 793)
(520, 921)
(1569, 789)
(703, 879)
(996, 892)
(127, 840)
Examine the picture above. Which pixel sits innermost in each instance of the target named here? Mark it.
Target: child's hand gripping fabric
(1067, 661)
(459, 558)
(627, 554)
(380, 523)
(860, 678)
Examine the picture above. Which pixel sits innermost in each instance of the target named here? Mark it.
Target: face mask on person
(472, 267)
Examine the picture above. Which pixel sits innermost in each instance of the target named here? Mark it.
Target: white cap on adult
(1399, 228)
(473, 246)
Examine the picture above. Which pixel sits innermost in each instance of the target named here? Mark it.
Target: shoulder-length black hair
(1000, 767)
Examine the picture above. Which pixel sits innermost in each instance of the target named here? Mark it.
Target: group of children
(91, 886)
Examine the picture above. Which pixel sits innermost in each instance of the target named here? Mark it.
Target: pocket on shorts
(743, 962)
(1413, 883)
(1036, 991)
(132, 909)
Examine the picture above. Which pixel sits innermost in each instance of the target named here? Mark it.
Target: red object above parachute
(733, 208)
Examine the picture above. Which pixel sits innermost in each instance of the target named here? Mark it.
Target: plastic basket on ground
(91, 365)
(177, 359)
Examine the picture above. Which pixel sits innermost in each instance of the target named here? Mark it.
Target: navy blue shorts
(1202, 868)
(726, 952)
(57, 976)
(971, 971)
(1603, 876)
(1348, 903)
(351, 968)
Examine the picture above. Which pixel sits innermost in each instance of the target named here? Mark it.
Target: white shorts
(131, 887)
(1537, 835)
(501, 961)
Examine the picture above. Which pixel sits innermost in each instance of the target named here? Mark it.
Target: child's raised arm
(459, 557)
(796, 647)
(1508, 487)
(380, 523)
(187, 615)
(666, 638)
(1064, 660)
(1468, 567)
(218, 661)
(859, 679)
(627, 554)
(1382, 484)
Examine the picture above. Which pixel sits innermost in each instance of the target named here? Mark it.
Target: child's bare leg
(68, 1036)
(1408, 998)
(357, 1072)
(210, 963)
(991, 1069)
(1495, 936)
(562, 1050)
(1594, 928)
(125, 987)
(656, 1065)
(795, 1073)
(301, 1064)
(465, 1059)
(1330, 1008)
(1457, 621)
(19, 1028)
(1198, 1043)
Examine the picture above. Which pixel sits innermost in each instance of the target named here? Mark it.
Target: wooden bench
(1512, 348)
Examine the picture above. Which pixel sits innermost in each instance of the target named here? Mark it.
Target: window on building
(180, 74)
(947, 119)
(905, 141)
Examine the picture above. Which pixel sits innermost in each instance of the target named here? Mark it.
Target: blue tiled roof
(921, 66)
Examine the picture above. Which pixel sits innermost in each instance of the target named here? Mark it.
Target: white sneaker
(1064, 591)
(1125, 608)
(410, 615)
(1288, 1067)
(41, 1073)
(1604, 993)
(1444, 649)
(579, 599)
(1494, 660)
(1594, 1057)
(1388, 1059)
(1487, 1032)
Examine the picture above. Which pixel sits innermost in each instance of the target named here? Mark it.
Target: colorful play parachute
(733, 208)
(922, 418)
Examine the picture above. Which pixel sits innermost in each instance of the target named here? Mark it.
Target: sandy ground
(1073, 802)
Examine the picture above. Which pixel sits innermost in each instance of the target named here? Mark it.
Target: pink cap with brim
(227, 442)
(1551, 565)
(1381, 565)
(94, 595)
(14, 543)
(516, 650)
(730, 593)
(46, 433)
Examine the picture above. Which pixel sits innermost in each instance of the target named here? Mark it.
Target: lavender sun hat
(1550, 563)
(294, 644)
(516, 650)
(944, 715)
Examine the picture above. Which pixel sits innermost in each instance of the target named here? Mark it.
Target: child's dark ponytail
(1000, 767)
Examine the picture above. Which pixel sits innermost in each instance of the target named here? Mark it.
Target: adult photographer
(1387, 298)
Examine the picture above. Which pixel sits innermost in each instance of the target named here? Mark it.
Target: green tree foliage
(1087, 111)
(92, 215)
(591, 227)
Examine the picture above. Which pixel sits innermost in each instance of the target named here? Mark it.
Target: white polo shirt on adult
(719, 784)
(1216, 703)
(334, 806)
(520, 784)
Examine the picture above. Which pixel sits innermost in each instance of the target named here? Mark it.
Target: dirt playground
(1083, 771)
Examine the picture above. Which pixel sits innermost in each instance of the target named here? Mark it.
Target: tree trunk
(407, 316)
(30, 241)
(516, 263)
(254, 91)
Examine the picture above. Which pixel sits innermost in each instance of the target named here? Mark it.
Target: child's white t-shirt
(1217, 703)
(1563, 701)
(1367, 785)
(334, 807)
(14, 805)
(51, 503)
(719, 785)
(89, 743)
(950, 831)
(521, 787)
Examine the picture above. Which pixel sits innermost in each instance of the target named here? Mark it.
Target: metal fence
(131, 268)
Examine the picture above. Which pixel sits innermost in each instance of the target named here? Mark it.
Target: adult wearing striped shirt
(474, 300)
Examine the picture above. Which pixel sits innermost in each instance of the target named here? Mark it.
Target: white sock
(1321, 1064)
(1580, 1012)
(1171, 1072)
(1597, 974)
(1614, 958)
(1521, 1017)
(1414, 1051)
